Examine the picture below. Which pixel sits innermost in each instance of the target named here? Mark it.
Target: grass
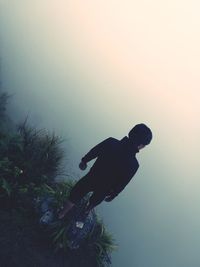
(30, 160)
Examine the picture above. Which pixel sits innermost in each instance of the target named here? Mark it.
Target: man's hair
(140, 134)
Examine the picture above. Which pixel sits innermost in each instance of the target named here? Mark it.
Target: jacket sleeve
(120, 187)
(97, 150)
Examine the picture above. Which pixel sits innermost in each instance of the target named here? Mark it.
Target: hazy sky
(92, 69)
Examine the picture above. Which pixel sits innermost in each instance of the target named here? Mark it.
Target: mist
(93, 69)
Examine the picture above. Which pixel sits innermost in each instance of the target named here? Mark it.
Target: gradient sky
(92, 69)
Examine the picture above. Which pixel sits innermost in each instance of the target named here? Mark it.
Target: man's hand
(109, 198)
(111, 195)
(82, 165)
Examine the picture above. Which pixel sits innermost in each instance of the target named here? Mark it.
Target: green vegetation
(30, 160)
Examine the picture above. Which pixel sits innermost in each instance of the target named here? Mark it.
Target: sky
(93, 69)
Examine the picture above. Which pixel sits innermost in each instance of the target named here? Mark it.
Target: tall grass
(30, 160)
(41, 157)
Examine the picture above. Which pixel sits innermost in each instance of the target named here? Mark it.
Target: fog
(93, 69)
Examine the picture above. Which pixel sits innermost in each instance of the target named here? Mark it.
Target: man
(114, 167)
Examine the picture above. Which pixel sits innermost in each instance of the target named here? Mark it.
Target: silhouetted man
(114, 167)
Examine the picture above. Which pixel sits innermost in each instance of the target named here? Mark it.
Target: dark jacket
(115, 165)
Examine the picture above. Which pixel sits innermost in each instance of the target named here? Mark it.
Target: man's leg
(96, 198)
(81, 188)
(67, 207)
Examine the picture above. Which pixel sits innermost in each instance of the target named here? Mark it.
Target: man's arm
(97, 150)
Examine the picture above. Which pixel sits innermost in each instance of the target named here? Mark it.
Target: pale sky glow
(91, 69)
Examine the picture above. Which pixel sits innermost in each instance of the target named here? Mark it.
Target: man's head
(140, 135)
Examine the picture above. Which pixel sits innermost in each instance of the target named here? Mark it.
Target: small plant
(8, 177)
(7, 189)
(58, 234)
(30, 160)
(41, 155)
(62, 191)
(58, 230)
(101, 244)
